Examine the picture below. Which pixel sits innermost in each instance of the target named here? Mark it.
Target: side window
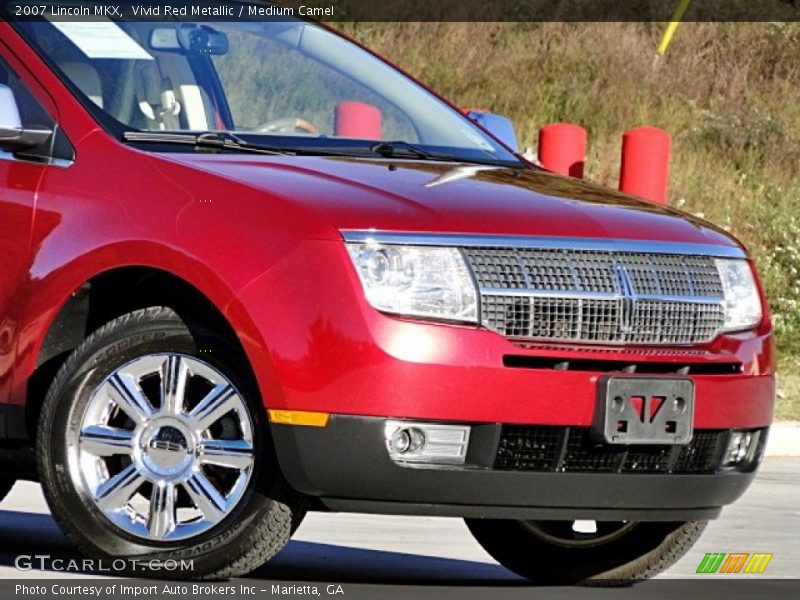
(31, 113)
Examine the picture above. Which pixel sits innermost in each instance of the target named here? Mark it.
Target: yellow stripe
(299, 417)
(749, 567)
(673, 25)
(764, 562)
(757, 563)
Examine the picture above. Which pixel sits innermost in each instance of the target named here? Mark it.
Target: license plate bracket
(644, 410)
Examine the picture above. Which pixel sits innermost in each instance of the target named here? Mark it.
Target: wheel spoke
(129, 397)
(162, 510)
(115, 493)
(206, 497)
(234, 454)
(174, 377)
(217, 403)
(159, 464)
(106, 441)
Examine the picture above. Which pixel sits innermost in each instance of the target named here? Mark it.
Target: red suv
(250, 270)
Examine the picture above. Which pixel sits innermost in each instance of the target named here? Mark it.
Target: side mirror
(499, 126)
(13, 138)
(17, 140)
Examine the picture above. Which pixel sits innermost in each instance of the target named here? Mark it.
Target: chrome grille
(598, 296)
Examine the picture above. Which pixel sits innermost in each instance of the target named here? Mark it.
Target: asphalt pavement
(393, 553)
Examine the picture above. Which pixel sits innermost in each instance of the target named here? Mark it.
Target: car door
(19, 180)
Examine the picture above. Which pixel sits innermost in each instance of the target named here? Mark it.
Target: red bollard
(358, 120)
(562, 148)
(645, 163)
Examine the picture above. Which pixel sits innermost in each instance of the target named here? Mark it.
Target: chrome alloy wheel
(164, 448)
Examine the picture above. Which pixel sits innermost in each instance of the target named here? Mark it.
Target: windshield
(289, 84)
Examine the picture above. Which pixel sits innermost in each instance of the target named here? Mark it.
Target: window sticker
(102, 39)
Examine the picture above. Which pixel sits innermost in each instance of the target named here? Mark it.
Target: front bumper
(346, 466)
(326, 350)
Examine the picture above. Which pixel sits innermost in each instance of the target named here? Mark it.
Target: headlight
(421, 281)
(742, 302)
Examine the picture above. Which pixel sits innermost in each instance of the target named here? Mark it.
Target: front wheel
(153, 447)
(590, 552)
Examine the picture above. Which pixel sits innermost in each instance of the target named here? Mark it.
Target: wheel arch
(107, 294)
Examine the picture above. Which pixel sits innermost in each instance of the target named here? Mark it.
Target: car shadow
(309, 561)
(36, 534)
(369, 574)
(32, 534)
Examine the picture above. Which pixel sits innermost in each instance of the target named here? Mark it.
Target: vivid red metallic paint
(259, 237)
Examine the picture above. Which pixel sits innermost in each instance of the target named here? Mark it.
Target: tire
(234, 531)
(551, 552)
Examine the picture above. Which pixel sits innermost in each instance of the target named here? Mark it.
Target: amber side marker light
(299, 417)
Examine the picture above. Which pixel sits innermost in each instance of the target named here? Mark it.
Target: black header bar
(402, 10)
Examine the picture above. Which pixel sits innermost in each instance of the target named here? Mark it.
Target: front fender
(48, 296)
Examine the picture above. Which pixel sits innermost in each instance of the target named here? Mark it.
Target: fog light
(408, 439)
(433, 443)
(739, 447)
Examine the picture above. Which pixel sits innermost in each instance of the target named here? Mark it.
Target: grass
(729, 93)
(788, 405)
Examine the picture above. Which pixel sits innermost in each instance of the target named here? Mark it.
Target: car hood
(438, 197)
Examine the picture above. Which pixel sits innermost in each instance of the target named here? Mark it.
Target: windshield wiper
(223, 140)
(212, 140)
(400, 149)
